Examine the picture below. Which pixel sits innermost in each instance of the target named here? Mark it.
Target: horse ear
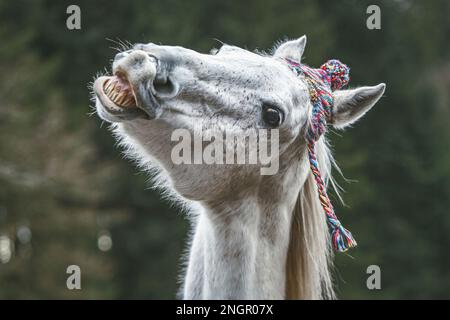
(350, 105)
(292, 50)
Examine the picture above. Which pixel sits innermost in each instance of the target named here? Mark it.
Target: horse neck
(240, 246)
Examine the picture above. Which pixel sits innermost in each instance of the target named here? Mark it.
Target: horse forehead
(248, 65)
(228, 54)
(243, 58)
(262, 70)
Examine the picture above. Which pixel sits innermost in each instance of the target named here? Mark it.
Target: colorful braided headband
(321, 82)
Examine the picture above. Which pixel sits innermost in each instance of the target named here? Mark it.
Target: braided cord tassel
(341, 238)
(330, 76)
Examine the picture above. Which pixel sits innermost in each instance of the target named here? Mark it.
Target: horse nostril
(164, 87)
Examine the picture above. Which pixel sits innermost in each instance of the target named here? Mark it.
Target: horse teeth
(130, 101)
(127, 101)
(119, 93)
(109, 90)
(120, 99)
(106, 86)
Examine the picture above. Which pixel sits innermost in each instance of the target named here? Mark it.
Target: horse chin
(112, 114)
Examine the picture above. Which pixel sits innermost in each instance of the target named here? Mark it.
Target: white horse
(254, 236)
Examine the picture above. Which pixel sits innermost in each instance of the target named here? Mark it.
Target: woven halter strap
(321, 82)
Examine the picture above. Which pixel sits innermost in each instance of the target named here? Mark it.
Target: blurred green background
(67, 195)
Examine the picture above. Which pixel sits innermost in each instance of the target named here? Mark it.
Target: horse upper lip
(140, 70)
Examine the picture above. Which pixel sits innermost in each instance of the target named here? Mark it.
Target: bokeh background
(68, 197)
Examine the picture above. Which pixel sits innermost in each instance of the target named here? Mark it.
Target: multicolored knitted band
(332, 75)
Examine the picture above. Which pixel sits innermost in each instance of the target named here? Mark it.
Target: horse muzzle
(137, 87)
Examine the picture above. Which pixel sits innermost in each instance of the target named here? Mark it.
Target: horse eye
(272, 116)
